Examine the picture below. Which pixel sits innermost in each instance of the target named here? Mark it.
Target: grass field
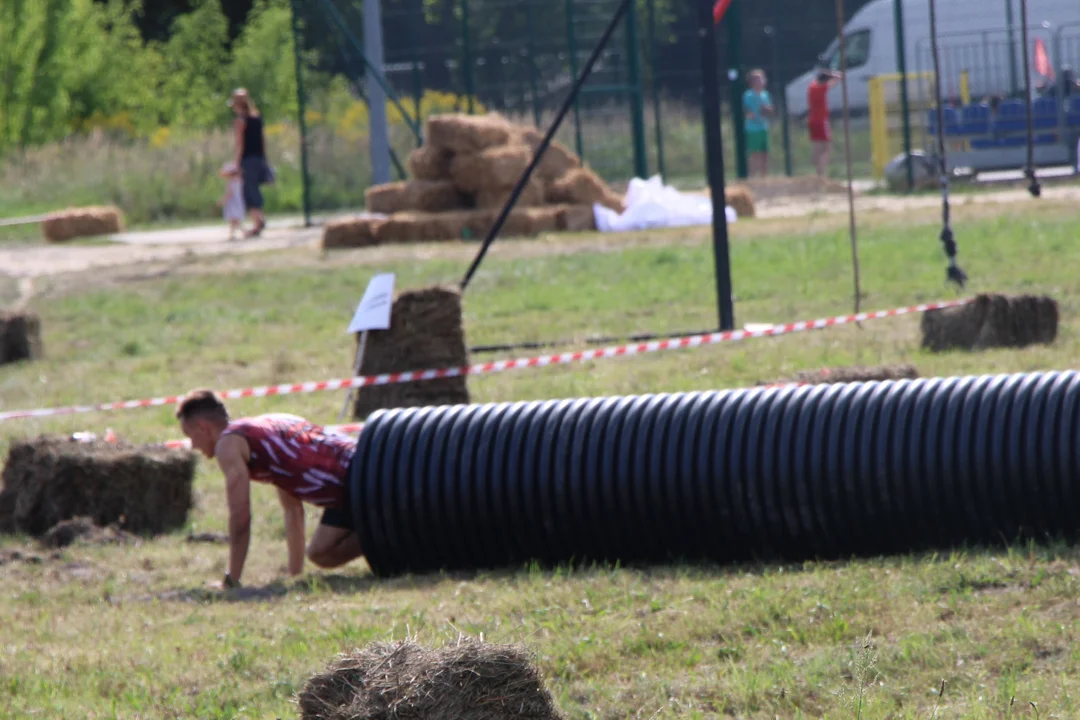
(134, 632)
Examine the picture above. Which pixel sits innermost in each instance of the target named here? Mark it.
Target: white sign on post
(373, 312)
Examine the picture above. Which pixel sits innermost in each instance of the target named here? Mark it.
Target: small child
(232, 203)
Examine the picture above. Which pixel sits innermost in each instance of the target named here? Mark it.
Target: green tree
(262, 59)
(196, 64)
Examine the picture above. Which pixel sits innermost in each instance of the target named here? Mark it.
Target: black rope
(1029, 170)
(954, 273)
(567, 103)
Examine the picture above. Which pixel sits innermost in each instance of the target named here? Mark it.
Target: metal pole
(466, 56)
(524, 179)
(378, 128)
(737, 84)
(534, 84)
(1010, 23)
(301, 111)
(357, 365)
(852, 231)
(637, 100)
(1029, 171)
(571, 42)
(905, 108)
(653, 52)
(714, 160)
(417, 80)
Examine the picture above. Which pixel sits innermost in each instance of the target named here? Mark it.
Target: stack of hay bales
(467, 679)
(82, 222)
(426, 331)
(52, 479)
(461, 179)
(20, 337)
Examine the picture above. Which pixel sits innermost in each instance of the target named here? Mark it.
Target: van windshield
(857, 49)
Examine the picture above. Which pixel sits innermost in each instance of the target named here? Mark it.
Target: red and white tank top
(297, 456)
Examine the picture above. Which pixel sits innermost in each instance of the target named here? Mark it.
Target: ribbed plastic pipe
(787, 473)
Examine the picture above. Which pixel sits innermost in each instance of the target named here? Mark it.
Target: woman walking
(250, 155)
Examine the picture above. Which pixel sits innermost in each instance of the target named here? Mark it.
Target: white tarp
(652, 204)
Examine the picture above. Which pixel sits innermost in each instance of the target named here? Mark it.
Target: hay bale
(858, 373)
(460, 133)
(992, 321)
(557, 160)
(467, 680)
(422, 195)
(740, 199)
(51, 479)
(20, 337)
(82, 222)
(425, 332)
(582, 186)
(351, 232)
(575, 218)
(542, 219)
(83, 530)
(496, 168)
(494, 198)
(429, 163)
(386, 199)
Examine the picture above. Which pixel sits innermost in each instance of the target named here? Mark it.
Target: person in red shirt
(817, 100)
(299, 458)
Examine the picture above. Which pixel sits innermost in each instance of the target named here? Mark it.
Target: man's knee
(322, 558)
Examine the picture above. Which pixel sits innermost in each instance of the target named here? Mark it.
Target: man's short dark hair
(202, 403)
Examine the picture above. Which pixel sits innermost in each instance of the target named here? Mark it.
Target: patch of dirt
(208, 537)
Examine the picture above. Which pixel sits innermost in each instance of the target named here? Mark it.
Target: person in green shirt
(757, 109)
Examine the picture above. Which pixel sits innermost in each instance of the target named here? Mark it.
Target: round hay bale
(991, 321)
(386, 199)
(494, 198)
(923, 171)
(496, 168)
(582, 186)
(429, 163)
(460, 133)
(20, 337)
(557, 160)
(465, 680)
(351, 233)
(740, 199)
(82, 222)
(575, 218)
(52, 479)
(426, 331)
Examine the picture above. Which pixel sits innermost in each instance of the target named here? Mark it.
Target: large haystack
(52, 479)
(465, 175)
(20, 337)
(82, 222)
(426, 332)
(467, 680)
(992, 321)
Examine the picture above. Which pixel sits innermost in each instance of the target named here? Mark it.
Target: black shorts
(342, 517)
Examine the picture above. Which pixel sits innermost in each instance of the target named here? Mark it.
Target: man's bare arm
(232, 455)
(294, 530)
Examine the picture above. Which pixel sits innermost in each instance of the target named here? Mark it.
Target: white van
(973, 35)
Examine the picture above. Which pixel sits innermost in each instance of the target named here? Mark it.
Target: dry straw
(992, 321)
(467, 680)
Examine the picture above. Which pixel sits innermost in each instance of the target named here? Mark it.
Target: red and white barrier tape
(499, 365)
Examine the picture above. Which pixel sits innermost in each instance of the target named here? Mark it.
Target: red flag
(1042, 60)
(719, 9)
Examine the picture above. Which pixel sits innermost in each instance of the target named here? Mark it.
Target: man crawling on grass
(299, 458)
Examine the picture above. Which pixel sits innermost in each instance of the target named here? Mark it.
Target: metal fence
(639, 113)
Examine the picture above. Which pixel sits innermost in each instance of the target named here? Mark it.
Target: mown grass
(130, 632)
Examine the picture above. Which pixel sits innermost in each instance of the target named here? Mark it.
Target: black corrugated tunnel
(785, 473)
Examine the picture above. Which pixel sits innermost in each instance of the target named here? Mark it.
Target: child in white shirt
(232, 204)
